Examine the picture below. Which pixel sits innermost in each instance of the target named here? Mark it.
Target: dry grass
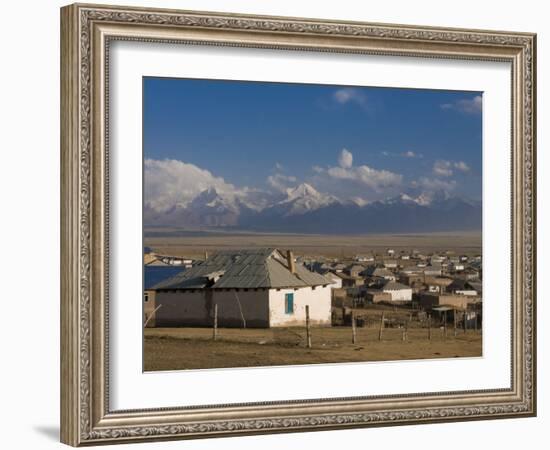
(193, 348)
(194, 246)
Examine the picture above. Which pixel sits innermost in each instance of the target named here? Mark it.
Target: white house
(462, 287)
(380, 274)
(364, 258)
(336, 281)
(399, 292)
(457, 267)
(259, 288)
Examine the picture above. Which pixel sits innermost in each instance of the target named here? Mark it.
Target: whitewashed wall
(401, 295)
(318, 299)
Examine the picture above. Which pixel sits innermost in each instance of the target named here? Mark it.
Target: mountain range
(305, 210)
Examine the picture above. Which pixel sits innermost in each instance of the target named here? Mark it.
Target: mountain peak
(302, 190)
(212, 199)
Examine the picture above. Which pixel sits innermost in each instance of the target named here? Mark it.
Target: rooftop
(394, 286)
(244, 269)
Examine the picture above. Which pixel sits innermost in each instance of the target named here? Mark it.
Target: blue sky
(250, 134)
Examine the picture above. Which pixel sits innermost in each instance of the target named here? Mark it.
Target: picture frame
(87, 31)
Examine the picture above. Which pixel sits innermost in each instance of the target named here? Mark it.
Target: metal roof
(394, 286)
(153, 275)
(374, 271)
(256, 268)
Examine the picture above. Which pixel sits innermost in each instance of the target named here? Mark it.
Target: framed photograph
(275, 224)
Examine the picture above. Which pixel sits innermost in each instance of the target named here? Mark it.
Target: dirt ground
(194, 348)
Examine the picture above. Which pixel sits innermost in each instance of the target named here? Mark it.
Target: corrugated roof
(378, 272)
(257, 268)
(394, 286)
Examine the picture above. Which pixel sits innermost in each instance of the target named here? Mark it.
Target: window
(289, 303)
(146, 297)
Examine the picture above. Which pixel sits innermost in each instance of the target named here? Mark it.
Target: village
(269, 306)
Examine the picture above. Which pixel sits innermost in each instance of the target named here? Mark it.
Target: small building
(412, 279)
(336, 280)
(390, 264)
(437, 259)
(153, 259)
(461, 287)
(338, 267)
(429, 300)
(351, 282)
(437, 284)
(398, 292)
(364, 258)
(456, 267)
(469, 274)
(433, 270)
(259, 288)
(379, 274)
(152, 275)
(354, 270)
(377, 296)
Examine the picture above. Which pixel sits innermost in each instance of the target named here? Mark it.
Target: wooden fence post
(353, 329)
(215, 330)
(465, 324)
(308, 331)
(454, 322)
(430, 327)
(381, 327)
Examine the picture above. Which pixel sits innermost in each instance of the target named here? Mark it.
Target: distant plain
(193, 244)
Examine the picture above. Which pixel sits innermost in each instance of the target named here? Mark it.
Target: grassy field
(194, 244)
(194, 348)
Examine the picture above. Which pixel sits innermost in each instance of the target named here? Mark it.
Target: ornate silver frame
(86, 31)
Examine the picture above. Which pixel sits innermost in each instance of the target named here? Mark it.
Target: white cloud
(345, 160)
(350, 95)
(411, 154)
(281, 182)
(169, 183)
(466, 105)
(317, 169)
(444, 168)
(363, 175)
(359, 184)
(408, 154)
(367, 176)
(434, 184)
(461, 166)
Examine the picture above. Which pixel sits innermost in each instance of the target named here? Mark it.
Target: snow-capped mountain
(303, 209)
(210, 201)
(300, 200)
(209, 208)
